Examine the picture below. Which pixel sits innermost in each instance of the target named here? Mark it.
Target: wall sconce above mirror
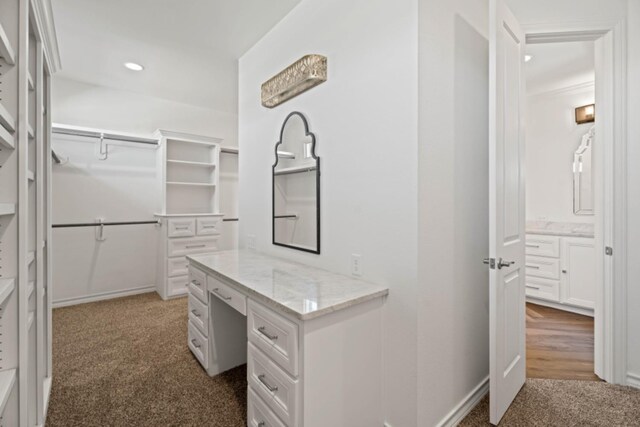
(302, 75)
(586, 114)
(296, 187)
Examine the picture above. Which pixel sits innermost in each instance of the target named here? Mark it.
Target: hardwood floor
(559, 344)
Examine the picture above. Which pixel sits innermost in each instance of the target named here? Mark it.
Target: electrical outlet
(251, 241)
(356, 264)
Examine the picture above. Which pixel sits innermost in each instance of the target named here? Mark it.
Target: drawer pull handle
(269, 387)
(537, 267)
(529, 245)
(209, 226)
(217, 292)
(564, 271)
(195, 343)
(264, 332)
(195, 313)
(196, 246)
(182, 228)
(195, 282)
(533, 287)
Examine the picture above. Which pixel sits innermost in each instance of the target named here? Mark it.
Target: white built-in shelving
(6, 139)
(6, 119)
(6, 289)
(31, 176)
(193, 184)
(7, 209)
(6, 50)
(7, 380)
(197, 164)
(32, 86)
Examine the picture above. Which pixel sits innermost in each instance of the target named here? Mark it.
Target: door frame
(613, 201)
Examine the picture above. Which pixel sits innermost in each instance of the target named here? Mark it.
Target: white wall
(552, 136)
(120, 188)
(365, 121)
(453, 315)
(82, 104)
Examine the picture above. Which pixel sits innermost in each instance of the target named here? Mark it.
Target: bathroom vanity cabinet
(312, 340)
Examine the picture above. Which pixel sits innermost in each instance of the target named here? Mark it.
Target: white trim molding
(103, 296)
(633, 380)
(44, 16)
(580, 87)
(466, 405)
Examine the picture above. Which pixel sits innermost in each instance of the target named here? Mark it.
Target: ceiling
(189, 48)
(559, 65)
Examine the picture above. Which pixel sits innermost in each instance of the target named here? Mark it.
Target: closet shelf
(184, 162)
(7, 380)
(32, 86)
(6, 119)
(31, 176)
(6, 287)
(30, 289)
(6, 139)
(31, 132)
(31, 256)
(30, 320)
(194, 184)
(7, 209)
(6, 51)
(297, 169)
(187, 141)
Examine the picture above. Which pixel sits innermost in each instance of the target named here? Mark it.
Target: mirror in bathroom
(296, 187)
(583, 176)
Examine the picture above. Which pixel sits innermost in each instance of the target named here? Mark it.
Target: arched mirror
(296, 187)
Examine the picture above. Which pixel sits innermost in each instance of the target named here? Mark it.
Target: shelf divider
(194, 184)
(6, 139)
(7, 380)
(7, 209)
(6, 119)
(6, 287)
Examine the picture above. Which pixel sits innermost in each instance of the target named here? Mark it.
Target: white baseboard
(633, 380)
(564, 307)
(103, 296)
(465, 406)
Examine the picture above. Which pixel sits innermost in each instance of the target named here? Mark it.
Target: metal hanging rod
(285, 216)
(230, 219)
(229, 150)
(99, 224)
(102, 135)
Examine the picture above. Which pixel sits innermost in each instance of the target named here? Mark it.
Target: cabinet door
(578, 272)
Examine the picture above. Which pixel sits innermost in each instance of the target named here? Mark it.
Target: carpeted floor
(125, 362)
(565, 403)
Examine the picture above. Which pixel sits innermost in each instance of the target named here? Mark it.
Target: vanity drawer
(539, 245)
(178, 285)
(546, 268)
(273, 385)
(198, 284)
(274, 335)
(199, 315)
(191, 245)
(199, 345)
(178, 266)
(184, 227)
(543, 288)
(208, 226)
(258, 413)
(227, 294)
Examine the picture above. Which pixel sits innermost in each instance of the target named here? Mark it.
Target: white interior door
(506, 209)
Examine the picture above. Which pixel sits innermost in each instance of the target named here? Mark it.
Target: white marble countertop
(297, 289)
(569, 229)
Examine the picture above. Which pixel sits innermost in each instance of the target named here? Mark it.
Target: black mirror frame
(273, 185)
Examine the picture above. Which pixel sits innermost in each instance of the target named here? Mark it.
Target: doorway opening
(562, 172)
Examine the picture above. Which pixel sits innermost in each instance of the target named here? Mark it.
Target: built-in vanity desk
(560, 265)
(312, 340)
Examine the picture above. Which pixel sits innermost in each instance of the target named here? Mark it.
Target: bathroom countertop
(297, 289)
(569, 229)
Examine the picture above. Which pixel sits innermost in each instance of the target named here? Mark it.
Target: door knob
(502, 263)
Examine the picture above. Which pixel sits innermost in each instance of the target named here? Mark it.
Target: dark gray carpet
(565, 403)
(125, 362)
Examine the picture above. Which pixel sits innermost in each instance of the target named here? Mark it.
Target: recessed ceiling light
(133, 66)
(528, 58)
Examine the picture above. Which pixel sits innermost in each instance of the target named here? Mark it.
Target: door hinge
(608, 250)
(491, 262)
